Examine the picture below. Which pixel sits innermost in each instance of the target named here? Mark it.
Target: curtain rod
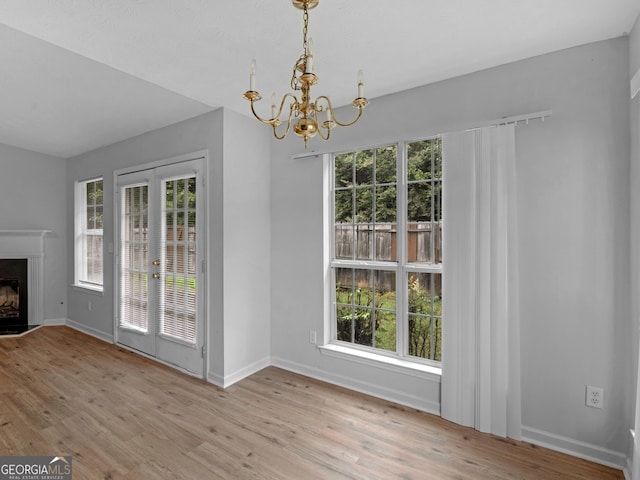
(515, 119)
(492, 123)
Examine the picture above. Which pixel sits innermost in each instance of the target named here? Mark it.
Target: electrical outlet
(594, 397)
(312, 337)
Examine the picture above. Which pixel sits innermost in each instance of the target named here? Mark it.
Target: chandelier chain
(295, 81)
(305, 29)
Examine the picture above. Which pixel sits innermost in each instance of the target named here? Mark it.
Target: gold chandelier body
(313, 116)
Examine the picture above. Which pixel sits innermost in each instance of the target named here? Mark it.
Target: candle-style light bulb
(360, 84)
(308, 68)
(252, 75)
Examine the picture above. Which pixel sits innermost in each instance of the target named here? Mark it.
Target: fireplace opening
(9, 298)
(14, 299)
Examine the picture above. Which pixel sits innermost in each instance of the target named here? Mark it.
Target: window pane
(386, 164)
(179, 289)
(98, 217)
(343, 317)
(385, 239)
(386, 209)
(364, 205)
(385, 309)
(363, 327)
(89, 255)
(424, 160)
(344, 241)
(386, 330)
(419, 202)
(344, 170)
(134, 260)
(364, 227)
(364, 167)
(344, 206)
(366, 307)
(424, 202)
(425, 315)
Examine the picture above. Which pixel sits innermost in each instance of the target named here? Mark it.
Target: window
(387, 250)
(88, 233)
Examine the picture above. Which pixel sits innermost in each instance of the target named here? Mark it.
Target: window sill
(382, 361)
(88, 289)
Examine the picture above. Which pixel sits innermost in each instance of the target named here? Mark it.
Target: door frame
(112, 248)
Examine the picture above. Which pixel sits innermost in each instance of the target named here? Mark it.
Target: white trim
(576, 448)
(203, 256)
(198, 154)
(228, 380)
(635, 84)
(55, 322)
(375, 390)
(29, 244)
(385, 362)
(99, 291)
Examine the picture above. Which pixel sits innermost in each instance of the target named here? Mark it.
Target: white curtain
(481, 337)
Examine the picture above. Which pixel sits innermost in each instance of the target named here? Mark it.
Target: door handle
(155, 275)
(156, 262)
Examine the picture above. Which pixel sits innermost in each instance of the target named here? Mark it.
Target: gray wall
(573, 191)
(634, 66)
(34, 198)
(207, 132)
(575, 230)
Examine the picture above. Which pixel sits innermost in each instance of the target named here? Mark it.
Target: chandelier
(313, 116)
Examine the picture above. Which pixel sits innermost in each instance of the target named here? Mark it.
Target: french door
(160, 309)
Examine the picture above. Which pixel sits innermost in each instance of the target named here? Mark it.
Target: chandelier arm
(294, 104)
(274, 125)
(255, 114)
(317, 109)
(320, 127)
(333, 117)
(275, 120)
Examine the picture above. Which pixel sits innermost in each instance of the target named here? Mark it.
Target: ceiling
(76, 75)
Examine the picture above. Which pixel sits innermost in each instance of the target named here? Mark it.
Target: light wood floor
(120, 415)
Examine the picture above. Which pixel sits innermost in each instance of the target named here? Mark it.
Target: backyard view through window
(387, 249)
(89, 215)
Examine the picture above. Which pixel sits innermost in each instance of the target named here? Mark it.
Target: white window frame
(81, 233)
(400, 359)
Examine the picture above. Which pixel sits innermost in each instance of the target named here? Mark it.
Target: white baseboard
(55, 322)
(105, 337)
(359, 386)
(244, 372)
(587, 451)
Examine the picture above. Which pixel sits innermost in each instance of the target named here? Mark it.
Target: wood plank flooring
(121, 416)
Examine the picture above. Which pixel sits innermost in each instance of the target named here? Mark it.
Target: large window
(88, 233)
(387, 249)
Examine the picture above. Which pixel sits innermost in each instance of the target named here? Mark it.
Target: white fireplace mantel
(22, 243)
(28, 244)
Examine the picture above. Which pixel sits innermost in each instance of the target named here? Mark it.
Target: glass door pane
(134, 274)
(178, 247)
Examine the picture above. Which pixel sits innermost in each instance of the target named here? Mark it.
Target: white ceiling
(79, 74)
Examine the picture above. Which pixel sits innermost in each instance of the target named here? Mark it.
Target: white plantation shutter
(178, 250)
(134, 261)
